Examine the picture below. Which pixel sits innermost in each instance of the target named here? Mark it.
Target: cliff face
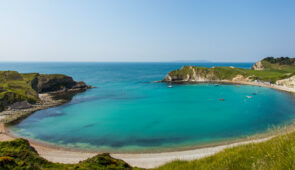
(50, 83)
(289, 82)
(202, 74)
(15, 88)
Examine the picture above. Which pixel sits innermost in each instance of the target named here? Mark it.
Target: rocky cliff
(288, 82)
(258, 66)
(20, 90)
(44, 83)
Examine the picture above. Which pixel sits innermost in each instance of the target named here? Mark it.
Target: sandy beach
(143, 160)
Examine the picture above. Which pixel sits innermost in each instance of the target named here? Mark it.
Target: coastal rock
(193, 74)
(20, 105)
(9, 98)
(258, 66)
(289, 82)
(51, 83)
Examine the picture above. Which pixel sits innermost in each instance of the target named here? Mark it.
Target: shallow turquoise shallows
(127, 113)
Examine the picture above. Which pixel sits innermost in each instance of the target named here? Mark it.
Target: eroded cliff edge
(269, 71)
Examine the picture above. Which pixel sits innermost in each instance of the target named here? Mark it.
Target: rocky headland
(23, 94)
(271, 72)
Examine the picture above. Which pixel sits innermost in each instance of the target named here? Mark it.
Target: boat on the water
(170, 86)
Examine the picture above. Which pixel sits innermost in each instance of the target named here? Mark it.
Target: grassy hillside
(18, 154)
(277, 153)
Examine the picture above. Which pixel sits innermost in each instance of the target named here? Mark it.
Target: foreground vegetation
(18, 154)
(277, 153)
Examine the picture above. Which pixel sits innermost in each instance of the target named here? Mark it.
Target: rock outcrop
(202, 74)
(18, 91)
(258, 66)
(50, 83)
(288, 82)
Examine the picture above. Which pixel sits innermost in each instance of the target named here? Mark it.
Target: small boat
(221, 99)
(170, 86)
(249, 97)
(216, 84)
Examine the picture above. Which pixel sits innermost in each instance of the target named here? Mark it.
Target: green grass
(277, 153)
(18, 154)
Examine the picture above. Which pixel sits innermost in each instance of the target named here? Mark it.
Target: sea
(129, 112)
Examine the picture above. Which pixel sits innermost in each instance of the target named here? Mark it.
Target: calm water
(127, 113)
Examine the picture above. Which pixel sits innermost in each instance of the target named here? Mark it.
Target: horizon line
(128, 61)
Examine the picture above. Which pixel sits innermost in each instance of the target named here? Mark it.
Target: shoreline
(230, 82)
(143, 160)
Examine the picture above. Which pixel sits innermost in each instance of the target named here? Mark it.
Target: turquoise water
(127, 113)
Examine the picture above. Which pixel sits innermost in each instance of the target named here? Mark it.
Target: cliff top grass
(277, 153)
(18, 154)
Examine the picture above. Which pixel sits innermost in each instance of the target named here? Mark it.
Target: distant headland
(271, 72)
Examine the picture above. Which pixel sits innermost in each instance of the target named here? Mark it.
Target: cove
(127, 113)
(160, 118)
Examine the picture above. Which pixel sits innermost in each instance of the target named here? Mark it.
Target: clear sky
(146, 30)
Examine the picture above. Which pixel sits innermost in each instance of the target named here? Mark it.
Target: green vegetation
(18, 154)
(15, 87)
(273, 71)
(280, 60)
(277, 153)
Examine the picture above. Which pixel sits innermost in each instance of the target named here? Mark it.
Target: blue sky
(146, 30)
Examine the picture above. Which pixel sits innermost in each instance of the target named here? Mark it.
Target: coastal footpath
(278, 73)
